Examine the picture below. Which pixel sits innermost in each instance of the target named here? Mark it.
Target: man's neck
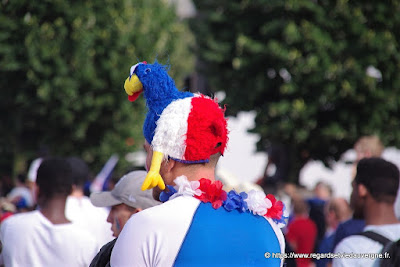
(202, 173)
(380, 213)
(77, 192)
(54, 210)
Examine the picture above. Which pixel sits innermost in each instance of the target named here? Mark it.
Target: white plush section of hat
(171, 130)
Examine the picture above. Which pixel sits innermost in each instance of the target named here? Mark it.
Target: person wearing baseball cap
(199, 224)
(124, 200)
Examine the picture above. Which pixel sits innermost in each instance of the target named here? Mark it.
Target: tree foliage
(63, 65)
(319, 74)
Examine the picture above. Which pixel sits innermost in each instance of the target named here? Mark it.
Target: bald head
(368, 146)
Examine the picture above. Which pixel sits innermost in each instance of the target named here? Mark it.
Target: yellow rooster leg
(153, 177)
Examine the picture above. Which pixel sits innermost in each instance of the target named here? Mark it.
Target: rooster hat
(182, 126)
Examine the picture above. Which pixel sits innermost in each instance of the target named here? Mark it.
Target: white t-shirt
(93, 219)
(30, 239)
(359, 245)
(156, 236)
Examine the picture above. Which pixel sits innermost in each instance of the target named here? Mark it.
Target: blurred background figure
(374, 191)
(349, 227)
(277, 170)
(7, 209)
(368, 146)
(322, 193)
(80, 210)
(45, 237)
(301, 231)
(6, 184)
(365, 147)
(20, 195)
(41, 153)
(125, 199)
(336, 211)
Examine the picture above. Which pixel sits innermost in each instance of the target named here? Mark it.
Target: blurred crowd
(317, 220)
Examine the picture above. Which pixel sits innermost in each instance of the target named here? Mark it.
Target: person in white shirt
(125, 200)
(20, 195)
(45, 237)
(81, 211)
(374, 191)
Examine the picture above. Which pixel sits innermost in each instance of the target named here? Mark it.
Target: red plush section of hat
(207, 132)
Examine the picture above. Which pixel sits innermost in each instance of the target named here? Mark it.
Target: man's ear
(167, 170)
(362, 190)
(169, 165)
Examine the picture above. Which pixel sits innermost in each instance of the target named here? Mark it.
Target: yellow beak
(133, 85)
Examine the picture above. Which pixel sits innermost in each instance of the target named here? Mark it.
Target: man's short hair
(54, 177)
(380, 177)
(80, 171)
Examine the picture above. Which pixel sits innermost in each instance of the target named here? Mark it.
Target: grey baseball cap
(126, 191)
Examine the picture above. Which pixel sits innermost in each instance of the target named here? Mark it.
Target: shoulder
(21, 219)
(390, 231)
(358, 244)
(351, 243)
(155, 234)
(350, 249)
(172, 211)
(174, 214)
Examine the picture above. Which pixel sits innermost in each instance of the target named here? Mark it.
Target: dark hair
(21, 178)
(80, 171)
(380, 177)
(54, 177)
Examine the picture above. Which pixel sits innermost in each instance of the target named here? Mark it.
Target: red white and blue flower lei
(206, 191)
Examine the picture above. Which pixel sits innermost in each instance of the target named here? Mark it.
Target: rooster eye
(147, 70)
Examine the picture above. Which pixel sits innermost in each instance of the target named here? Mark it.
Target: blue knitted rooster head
(154, 80)
(159, 91)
